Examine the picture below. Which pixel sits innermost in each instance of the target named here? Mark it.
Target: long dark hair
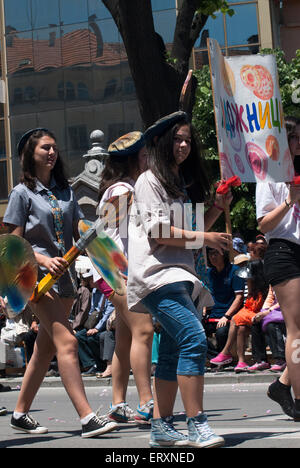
(193, 177)
(28, 176)
(116, 169)
(258, 283)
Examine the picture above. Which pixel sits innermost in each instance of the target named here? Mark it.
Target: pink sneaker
(259, 366)
(241, 367)
(221, 359)
(278, 366)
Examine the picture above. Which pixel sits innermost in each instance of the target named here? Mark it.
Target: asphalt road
(241, 413)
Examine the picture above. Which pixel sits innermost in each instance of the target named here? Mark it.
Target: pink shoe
(259, 366)
(278, 367)
(221, 359)
(241, 367)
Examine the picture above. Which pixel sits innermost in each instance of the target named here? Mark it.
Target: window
(110, 88)
(70, 91)
(78, 137)
(236, 35)
(83, 92)
(29, 94)
(129, 87)
(18, 96)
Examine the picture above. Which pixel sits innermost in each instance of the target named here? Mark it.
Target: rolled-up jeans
(183, 345)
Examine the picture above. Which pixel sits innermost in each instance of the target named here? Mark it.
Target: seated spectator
(258, 251)
(88, 338)
(107, 345)
(260, 239)
(241, 323)
(227, 290)
(82, 302)
(268, 328)
(242, 261)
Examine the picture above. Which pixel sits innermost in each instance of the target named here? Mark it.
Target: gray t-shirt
(152, 265)
(32, 211)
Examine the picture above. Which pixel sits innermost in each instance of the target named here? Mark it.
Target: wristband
(218, 207)
(228, 317)
(289, 205)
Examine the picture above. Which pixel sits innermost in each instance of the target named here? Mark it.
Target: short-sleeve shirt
(268, 197)
(224, 285)
(32, 211)
(152, 265)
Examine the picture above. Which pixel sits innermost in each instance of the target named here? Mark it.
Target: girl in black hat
(162, 279)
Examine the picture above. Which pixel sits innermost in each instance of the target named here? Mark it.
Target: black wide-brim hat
(164, 123)
(26, 137)
(127, 144)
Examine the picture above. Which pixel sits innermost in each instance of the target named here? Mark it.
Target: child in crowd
(241, 322)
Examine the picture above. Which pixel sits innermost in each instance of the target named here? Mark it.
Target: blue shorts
(183, 345)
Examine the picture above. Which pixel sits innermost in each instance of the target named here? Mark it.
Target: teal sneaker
(200, 433)
(144, 413)
(163, 434)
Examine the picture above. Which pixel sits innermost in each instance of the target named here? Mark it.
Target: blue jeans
(183, 345)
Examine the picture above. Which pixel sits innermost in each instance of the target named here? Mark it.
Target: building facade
(64, 67)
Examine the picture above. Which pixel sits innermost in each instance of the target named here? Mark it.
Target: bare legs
(55, 336)
(288, 295)
(134, 334)
(239, 335)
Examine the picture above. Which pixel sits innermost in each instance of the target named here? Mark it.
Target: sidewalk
(227, 376)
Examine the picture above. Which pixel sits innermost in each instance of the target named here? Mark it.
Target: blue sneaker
(163, 434)
(200, 433)
(144, 413)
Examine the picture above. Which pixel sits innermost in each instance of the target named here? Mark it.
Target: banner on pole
(252, 138)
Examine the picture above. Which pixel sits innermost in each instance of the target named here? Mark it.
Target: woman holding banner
(42, 209)
(162, 279)
(278, 214)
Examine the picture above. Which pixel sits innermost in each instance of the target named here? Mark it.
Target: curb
(216, 378)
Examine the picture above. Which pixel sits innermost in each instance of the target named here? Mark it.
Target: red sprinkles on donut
(259, 80)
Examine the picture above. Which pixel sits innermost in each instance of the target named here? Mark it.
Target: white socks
(18, 415)
(87, 418)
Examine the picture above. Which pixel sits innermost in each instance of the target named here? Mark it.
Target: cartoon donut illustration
(259, 80)
(239, 163)
(249, 77)
(288, 166)
(272, 147)
(228, 78)
(265, 89)
(257, 160)
(226, 169)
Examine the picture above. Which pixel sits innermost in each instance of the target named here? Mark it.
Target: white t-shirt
(270, 195)
(152, 265)
(120, 233)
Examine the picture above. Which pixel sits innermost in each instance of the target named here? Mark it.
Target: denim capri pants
(183, 345)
